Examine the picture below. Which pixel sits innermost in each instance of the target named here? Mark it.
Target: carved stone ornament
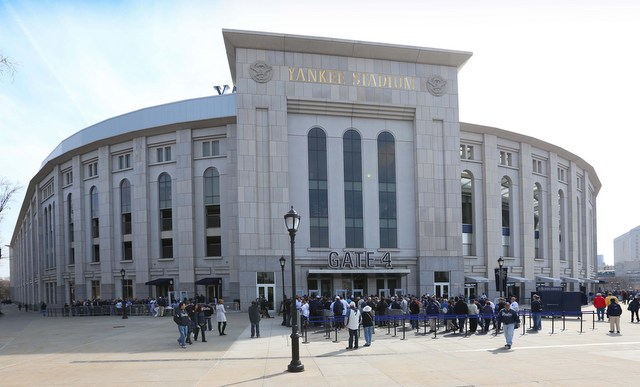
(261, 72)
(436, 85)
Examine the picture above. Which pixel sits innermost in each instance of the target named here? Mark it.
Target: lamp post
(284, 296)
(292, 221)
(500, 264)
(124, 301)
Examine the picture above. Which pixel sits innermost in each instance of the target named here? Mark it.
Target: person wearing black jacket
(461, 309)
(510, 321)
(181, 318)
(367, 325)
(613, 312)
(536, 311)
(633, 307)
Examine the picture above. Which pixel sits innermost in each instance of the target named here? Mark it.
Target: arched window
(466, 182)
(505, 194)
(166, 215)
(95, 223)
(562, 225)
(537, 209)
(125, 206)
(70, 230)
(125, 218)
(387, 190)
(318, 194)
(212, 212)
(354, 223)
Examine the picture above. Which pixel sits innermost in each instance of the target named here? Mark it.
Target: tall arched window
(581, 229)
(354, 223)
(561, 225)
(318, 194)
(387, 190)
(125, 216)
(125, 206)
(95, 224)
(166, 215)
(505, 194)
(212, 212)
(70, 230)
(537, 208)
(466, 182)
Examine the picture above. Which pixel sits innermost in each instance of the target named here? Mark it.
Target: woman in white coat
(221, 317)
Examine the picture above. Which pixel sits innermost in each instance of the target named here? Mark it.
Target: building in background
(362, 139)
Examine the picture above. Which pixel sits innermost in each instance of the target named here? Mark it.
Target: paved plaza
(142, 351)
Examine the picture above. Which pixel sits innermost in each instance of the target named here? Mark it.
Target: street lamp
(124, 301)
(284, 296)
(292, 221)
(500, 264)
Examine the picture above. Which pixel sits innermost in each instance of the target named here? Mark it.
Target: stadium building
(362, 139)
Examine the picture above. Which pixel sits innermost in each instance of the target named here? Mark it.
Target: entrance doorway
(441, 289)
(266, 287)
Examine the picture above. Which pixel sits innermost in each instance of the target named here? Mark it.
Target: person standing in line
(510, 321)
(610, 297)
(181, 318)
(338, 312)
(487, 313)
(221, 317)
(367, 325)
(613, 312)
(601, 305)
(353, 323)
(473, 312)
(254, 319)
(461, 309)
(536, 310)
(633, 307)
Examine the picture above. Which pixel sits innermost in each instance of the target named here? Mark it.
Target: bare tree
(6, 65)
(7, 190)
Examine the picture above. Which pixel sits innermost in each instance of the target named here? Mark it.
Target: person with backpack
(367, 325)
(614, 311)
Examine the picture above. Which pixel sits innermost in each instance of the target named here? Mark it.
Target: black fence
(395, 324)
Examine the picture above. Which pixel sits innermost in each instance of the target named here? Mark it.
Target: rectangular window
(562, 174)
(214, 246)
(167, 248)
(124, 161)
(506, 158)
(96, 253)
(466, 152)
(126, 224)
(210, 148)
(95, 228)
(166, 221)
(127, 251)
(68, 178)
(213, 216)
(537, 166)
(92, 169)
(127, 288)
(95, 289)
(163, 154)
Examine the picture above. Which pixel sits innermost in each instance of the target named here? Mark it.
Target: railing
(424, 324)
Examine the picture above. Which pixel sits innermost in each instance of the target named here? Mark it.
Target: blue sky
(563, 71)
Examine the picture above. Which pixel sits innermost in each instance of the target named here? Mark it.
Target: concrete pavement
(142, 351)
